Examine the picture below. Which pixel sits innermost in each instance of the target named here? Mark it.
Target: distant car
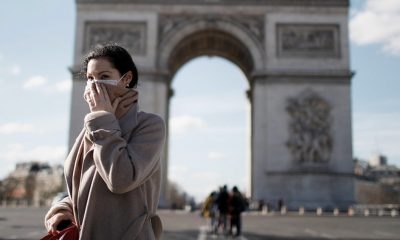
(59, 197)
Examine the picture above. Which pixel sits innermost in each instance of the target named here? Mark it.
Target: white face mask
(109, 82)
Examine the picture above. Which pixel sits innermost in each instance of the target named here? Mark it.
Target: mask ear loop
(127, 85)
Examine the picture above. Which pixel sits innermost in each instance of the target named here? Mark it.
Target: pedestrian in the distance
(237, 205)
(113, 170)
(210, 210)
(223, 207)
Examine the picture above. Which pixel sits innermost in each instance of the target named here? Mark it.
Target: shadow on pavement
(252, 236)
(179, 235)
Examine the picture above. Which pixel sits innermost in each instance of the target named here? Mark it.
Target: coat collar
(129, 121)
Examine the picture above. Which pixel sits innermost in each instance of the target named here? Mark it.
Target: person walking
(113, 171)
(222, 202)
(237, 205)
(210, 210)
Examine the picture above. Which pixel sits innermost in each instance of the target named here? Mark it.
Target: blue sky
(37, 48)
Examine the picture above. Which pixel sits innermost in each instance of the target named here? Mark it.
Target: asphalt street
(27, 224)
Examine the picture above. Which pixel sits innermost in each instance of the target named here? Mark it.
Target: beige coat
(120, 178)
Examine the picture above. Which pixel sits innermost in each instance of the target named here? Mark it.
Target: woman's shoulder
(150, 119)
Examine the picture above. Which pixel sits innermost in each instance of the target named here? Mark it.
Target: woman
(113, 170)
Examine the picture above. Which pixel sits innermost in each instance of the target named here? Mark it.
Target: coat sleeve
(63, 205)
(125, 165)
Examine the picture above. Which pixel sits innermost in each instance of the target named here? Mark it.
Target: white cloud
(210, 104)
(63, 86)
(14, 153)
(18, 152)
(35, 82)
(185, 123)
(15, 70)
(378, 22)
(216, 156)
(41, 84)
(178, 173)
(12, 128)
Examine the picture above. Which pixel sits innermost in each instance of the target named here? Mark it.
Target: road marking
(383, 234)
(311, 232)
(316, 234)
(243, 238)
(203, 233)
(325, 235)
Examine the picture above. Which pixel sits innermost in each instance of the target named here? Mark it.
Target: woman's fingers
(116, 103)
(107, 102)
(53, 222)
(93, 90)
(128, 99)
(128, 102)
(129, 94)
(97, 97)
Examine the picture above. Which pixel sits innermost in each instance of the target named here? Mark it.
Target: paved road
(26, 224)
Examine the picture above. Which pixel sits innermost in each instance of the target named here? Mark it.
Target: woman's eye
(105, 77)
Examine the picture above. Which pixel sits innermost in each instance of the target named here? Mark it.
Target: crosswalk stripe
(203, 234)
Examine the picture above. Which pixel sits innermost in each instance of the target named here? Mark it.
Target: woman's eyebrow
(99, 73)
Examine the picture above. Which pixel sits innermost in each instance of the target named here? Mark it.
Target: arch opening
(209, 127)
(211, 42)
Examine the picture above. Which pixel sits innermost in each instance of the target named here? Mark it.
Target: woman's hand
(52, 223)
(125, 102)
(97, 97)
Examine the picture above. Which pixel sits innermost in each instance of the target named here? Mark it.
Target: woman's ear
(127, 78)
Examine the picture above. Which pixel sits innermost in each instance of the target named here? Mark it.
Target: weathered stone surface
(310, 140)
(131, 35)
(301, 40)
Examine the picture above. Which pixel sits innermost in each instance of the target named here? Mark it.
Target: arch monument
(295, 55)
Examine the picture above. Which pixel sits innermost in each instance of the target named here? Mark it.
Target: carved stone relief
(254, 25)
(304, 40)
(131, 35)
(310, 139)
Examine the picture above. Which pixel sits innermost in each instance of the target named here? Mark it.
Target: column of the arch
(275, 174)
(258, 140)
(153, 98)
(79, 107)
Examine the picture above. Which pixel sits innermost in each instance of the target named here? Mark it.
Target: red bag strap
(70, 233)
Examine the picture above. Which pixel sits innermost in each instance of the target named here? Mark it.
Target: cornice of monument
(323, 3)
(293, 76)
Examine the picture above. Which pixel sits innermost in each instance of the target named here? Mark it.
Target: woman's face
(102, 69)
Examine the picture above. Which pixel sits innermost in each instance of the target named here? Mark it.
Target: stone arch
(283, 47)
(211, 42)
(221, 29)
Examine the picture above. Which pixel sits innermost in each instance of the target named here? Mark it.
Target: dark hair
(118, 57)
